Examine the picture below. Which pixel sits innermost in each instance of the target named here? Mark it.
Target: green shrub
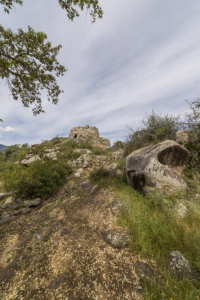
(155, 128)
(14, 153)
(160, 201)
(98, 174)
(37, 180)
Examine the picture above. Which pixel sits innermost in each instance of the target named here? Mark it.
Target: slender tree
(28, 63)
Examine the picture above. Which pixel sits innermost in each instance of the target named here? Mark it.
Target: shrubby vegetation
(37, 180)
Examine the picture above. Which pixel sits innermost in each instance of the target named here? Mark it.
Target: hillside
(2, 148)
(74, 229)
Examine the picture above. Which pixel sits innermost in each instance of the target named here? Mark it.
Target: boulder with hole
(158, 166)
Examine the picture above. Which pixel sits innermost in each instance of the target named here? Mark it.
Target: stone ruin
(90, 133)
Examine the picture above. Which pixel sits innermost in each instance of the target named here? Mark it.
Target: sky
(142, 55)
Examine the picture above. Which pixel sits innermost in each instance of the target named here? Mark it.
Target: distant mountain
(2, 148)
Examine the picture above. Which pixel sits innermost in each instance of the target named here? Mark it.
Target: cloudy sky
(143, 55)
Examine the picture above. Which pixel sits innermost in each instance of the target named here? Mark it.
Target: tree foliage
(28, 63)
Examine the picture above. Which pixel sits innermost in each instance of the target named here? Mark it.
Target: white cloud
(8, 129)
(1, 137)
(117, 70)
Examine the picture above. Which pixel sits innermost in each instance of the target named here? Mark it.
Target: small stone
(117, 238)
(63, 231)
(9, 200)
(46, 222)
(55, 241)
(119, 172)
(48, 232)
(5, 215)
(55, 284)
(7, 220)
(80, 170)
(5, 205)
(16, 206)
(86, 185)
(77, 175)
(26, 210)
(56, 223)
(39, 235)
(94, 189)
(17, 212)
(34, 202)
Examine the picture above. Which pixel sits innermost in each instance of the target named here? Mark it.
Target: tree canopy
(28, 63)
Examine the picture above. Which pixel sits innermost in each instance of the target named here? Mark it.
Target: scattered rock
(28, 161)
(56, 223)
(55, 241)
(34, 202)
(2, 195)
(86, 185)
(117, 207)
(77, 174)
(144, 270)
(84, 151)
(117, 238)
(9, 200)
(63, 231)
(112, 166)
(7, 220)
(17, 212)
(48, 232)
(16, 206)
(46, 222)
(181, 210)
(5, 215)
(5, 205)
(80, 170)
(94, 189)
(26, 210)
(179, 266)
(182, 136)
(39, 235)
(55, 284)
(119, 173)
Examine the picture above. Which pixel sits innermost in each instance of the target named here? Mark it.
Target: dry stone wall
(91, 161)
(90, 133)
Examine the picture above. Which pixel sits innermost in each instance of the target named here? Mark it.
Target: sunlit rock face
(157, 166)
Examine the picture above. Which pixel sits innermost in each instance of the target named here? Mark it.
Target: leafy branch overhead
(28, 63)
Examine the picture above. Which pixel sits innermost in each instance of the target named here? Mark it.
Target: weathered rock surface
(117, 238)
(35, 202)
(88, 133)
(86, 185)
(117, 207)
(179, 266)
(158, 166)
(30, 160)
(9, 200)
(182, 136)
(2, 195)
(83, 151)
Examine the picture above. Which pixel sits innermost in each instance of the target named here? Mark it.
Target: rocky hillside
(73, 227)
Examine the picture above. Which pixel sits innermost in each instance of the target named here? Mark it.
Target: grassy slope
(154, 231)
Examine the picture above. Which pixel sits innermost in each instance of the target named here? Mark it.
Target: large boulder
(158, 166)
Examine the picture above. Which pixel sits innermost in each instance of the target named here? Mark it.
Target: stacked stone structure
(90, 133)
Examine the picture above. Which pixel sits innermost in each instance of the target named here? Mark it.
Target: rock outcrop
(182, 136)
(158, 166)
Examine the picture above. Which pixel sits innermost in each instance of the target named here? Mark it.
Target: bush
(160, 201)
(155, 129)
(98, 174)
(37, 180)
(14, 153)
